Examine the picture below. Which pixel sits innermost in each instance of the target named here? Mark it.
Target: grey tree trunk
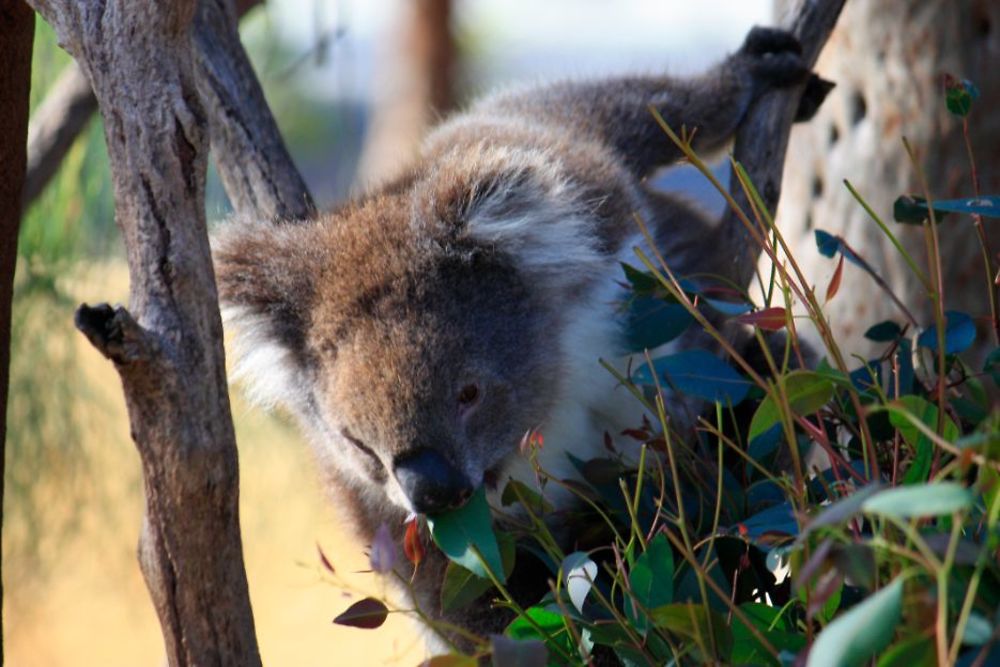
(888, 58)
(17, 25)
(140, 59)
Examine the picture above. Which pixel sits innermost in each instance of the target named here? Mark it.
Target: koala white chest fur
(420, 331)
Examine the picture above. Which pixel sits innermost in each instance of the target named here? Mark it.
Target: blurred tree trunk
(414, 88)
(17, 27)
(888, 58)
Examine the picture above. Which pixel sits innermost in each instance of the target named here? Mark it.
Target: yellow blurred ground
(92, 609)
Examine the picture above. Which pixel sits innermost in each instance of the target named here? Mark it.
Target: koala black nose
(431, 483)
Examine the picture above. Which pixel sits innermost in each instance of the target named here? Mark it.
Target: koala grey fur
(419, 332)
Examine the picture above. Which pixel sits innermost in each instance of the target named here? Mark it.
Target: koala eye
(468, 395)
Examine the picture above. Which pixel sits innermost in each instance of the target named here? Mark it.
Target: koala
(419, 331)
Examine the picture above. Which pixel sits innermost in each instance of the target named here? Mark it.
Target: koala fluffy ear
(266, 292)
(526, 206)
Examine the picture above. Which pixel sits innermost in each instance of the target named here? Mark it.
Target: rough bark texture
(138, 57)
(413, 90)
(17, 26)
(888, 57)
(70, 104)
(762, 140)
(256, 169)
(54, 127)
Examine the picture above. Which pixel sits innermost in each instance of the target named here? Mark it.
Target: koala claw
(775, 56)
(761, 40)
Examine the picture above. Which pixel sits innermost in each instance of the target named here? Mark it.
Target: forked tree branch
(250, 155)
(256, 170)
(168, 351)
(762, 140)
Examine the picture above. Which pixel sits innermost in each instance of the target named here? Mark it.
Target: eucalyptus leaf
(696, 373)
(959, 333)
(919, 500)
(807, 392)
(923, 448)
(579, 574)
(462, 532)
(861, 632)
(651, 580)
(461, 586)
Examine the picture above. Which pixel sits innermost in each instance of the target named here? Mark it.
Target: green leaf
(521, 628)
(919, 500)
(579, 573)
(696, 373)
(959, 96)
(912, 210)
(992, 366)
(461, 586)
(827, 243)
(651, 321)
(748, 650)
(641, 281)
(518, 492)
(462, 532)
(978, 630)
(959, 333)
(651, 580)
(691, 621)
(987, 206)
(861, 632)
(368, 614)
(843, 509)
(923, 448)
(912, 652)
(884, 332)
(807, 392)
(553, 628)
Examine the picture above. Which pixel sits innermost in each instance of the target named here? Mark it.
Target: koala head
(416, 333)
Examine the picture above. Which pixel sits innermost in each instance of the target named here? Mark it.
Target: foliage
(826, 516)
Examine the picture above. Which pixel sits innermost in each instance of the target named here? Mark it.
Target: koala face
(416, 351)
(427, 384)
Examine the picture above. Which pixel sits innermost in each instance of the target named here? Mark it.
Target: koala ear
(523, 204)
(266, 293)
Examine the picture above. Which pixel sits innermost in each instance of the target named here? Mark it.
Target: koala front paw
(773, 57)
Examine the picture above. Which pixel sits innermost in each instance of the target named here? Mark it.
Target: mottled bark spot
(859, 107)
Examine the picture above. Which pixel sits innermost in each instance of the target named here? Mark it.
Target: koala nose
(431, 483)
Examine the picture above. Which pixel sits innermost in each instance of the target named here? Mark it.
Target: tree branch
(68, 107)
(762, 140)
(17, 25)
(54, 127)
(138, 57)
(250, 155)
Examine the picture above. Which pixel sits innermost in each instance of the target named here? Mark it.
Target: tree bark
(415, 87)
(17, 25)
(282, 192)
(762, 140)
(888, 58)
(138, 57)
(250, 155)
